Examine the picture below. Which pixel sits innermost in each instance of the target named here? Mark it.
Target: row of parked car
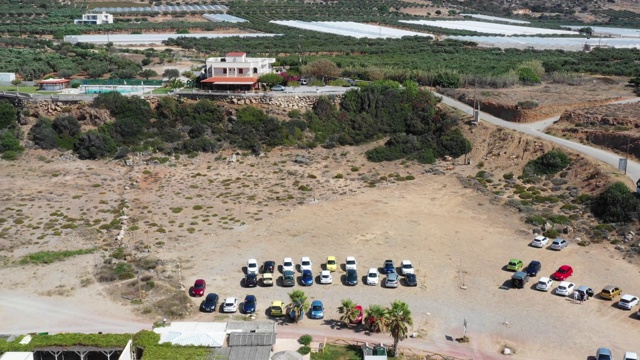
(606, 354)
(265, 274)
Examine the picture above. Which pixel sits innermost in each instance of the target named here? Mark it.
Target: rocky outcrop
(286, 102)
(86, 115)
(605, 115)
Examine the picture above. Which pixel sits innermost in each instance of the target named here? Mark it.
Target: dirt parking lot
(455, 237)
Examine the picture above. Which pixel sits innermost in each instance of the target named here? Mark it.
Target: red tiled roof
(54, 81)
(236, 54)
(231, 80)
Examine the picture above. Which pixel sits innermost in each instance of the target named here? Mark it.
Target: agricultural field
(348, 28)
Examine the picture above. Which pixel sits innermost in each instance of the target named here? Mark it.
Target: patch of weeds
(176, 210)
(161, 230)
(311, 176)
(96, 185)
(410, 177)
(198, 207)
(355, 169)
(304, 188)
(75, 197)
(134, 228)
(191, 230)
(47, 257)
(124, 271)
(160, 243)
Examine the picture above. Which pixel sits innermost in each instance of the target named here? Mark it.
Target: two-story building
(95, 19)
(235, 71)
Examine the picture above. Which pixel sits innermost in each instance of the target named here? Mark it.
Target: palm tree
(348, 311)
(299, 304)
(375, 316)
(398, 320)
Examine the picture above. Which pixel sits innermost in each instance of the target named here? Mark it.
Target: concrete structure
(17, 356)
(53, 84)
(375, 352)
(95, 19)
(7, 78)
(235, 71)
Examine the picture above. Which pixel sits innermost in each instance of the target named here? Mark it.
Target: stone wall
(304, 102)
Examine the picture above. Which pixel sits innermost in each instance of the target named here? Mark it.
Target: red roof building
(53, 84)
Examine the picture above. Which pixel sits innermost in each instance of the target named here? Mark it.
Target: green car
(514, 265)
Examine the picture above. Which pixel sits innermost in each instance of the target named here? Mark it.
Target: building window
(224, 70)
(240, 71)
(255, 70)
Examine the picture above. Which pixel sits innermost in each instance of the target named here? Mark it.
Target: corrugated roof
(252, 339)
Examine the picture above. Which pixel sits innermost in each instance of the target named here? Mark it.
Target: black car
(249, 304)
(352, 277)
(534, 268)
(210, 303)
(251, 280)
(519, 279)
(268, 267)
(412, 280)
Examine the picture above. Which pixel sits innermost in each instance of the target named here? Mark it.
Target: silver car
(392, 280)
(559, 244)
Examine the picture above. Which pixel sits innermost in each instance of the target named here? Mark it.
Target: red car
(563, 273)
(360, 317)
(199, 287)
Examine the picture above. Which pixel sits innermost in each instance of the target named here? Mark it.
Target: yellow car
(332, 264)
(609, 292)
(277, 308)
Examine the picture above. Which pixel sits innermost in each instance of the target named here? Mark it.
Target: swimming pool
(122, 89)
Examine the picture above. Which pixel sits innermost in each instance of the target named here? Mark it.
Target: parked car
(277, 308)
(350, 263)
(544, 284)
(388, 266)
(563, 273)
(604, 354)
(406, 267)
(627, 302)
(251, 280)
(249, 305)
(372, 277)
(269, 267)
(352, 277)
(519, 279)
(534, 268)
(325, 277)
(277, 88)
(199, 286)
(514, 265)
(267, 279)
(288, 265)
(306, 278)
(358, 319)
(630, 356)
(252, 266)
(317, 310)
(412, 280)
(609, 292)
(585, 290)
(392, 280)
(332, 264)
(559, 244)
(305, 263)
(565, 288)
(539, 241)
(288, 278)
(209, 303)
(230, 305)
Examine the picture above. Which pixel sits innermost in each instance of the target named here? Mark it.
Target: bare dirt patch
(551, 99)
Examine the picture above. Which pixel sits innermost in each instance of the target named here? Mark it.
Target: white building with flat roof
(95, 19)
(236, 71)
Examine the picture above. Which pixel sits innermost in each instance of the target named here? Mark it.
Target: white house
(95, 19)
(235, 71)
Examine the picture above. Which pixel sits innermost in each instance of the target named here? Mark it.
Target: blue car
(389, 267)
(317, 309)
(534, 268)
(307, 278)
(249, 304)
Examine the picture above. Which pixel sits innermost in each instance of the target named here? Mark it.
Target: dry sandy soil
(204, 217)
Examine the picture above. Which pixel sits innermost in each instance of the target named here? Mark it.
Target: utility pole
(299, 51)
(626, 159)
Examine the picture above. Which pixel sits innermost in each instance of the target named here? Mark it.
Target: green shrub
(549, 163)
(304, 350)
(528, 104)
(339, 176)
(305, 340)
(551, 233)
(124, 271)
(527, 76)
(508, 176)
(615, 204)
(9, 155)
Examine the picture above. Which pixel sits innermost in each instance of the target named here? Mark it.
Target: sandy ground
(253, 209)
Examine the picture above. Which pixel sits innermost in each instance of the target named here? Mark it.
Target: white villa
(235, 71)
(95, 19)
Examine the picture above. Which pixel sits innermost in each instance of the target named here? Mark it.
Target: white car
(565, 288)
(350, 263)
(288, 265)
(305, 263)
(372, 277)
(627, 302)
(406, 267)
(539, 241)
(544, 284)
(230, 305)
(325, 277)
(630, 356)
(252, 266)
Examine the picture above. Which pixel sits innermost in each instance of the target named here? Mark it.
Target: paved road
(536, 129)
